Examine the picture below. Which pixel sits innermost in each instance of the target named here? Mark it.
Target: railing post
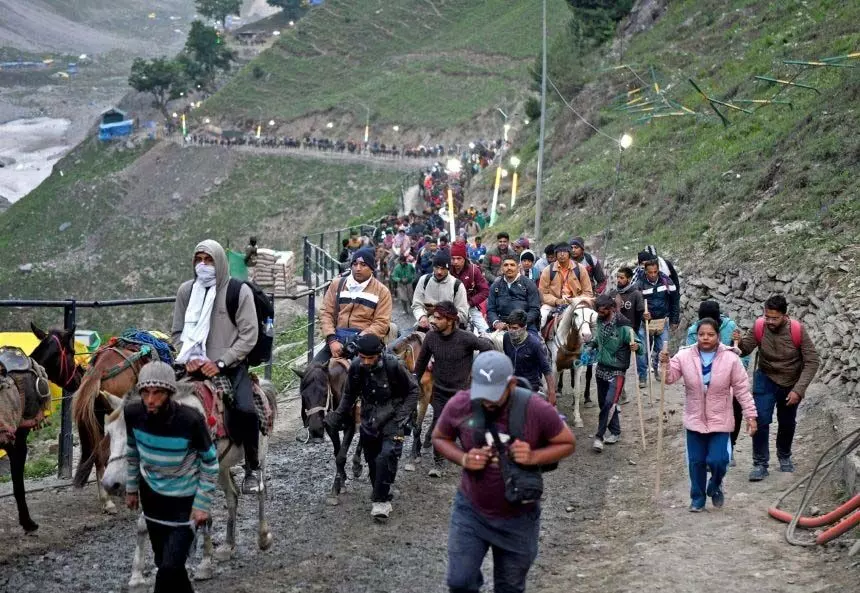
(312, 311)
(306, 272)
(64, 458)
(267, 371)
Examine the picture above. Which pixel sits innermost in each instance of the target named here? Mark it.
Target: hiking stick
(638, 393)
(648, 357)
(660, 424)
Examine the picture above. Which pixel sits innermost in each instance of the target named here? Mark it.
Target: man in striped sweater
(172, 472)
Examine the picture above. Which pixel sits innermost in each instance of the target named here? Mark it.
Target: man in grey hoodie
(211, 344)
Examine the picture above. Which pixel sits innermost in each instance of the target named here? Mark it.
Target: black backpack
(457, 283)
(265, 309)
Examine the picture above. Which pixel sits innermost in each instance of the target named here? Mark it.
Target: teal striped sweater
(172, 451)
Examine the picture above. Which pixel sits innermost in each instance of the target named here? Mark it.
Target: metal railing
(70, 307)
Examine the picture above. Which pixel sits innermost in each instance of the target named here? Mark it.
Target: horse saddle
(214, 408)
(548, 330)
(13, 359)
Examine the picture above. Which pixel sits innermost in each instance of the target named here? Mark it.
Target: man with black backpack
(389, 394)
(216, 328)
(438, 286)
(508, 437)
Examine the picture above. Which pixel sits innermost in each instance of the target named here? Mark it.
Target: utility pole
(539, 187)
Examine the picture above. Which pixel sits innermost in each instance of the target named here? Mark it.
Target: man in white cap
(532, 435)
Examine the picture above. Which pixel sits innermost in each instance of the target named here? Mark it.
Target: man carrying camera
(389, 394)
(355, 304)
(507, 434)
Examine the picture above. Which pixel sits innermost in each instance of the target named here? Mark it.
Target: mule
(408, 349)
(574, 327)
(24, 398)
(112, 451)
(321, 390)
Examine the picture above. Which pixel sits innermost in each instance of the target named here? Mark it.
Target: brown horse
(112, 371)
(408, 349)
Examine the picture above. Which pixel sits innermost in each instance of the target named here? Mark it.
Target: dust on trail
(601, 531)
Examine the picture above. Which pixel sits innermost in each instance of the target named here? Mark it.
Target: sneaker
(435, 471)
(785, 464)
(758, 473)
(381, 511)
(718, 498)
(252, 483)
(611, 439)
(733, 463)
(695, 509)
(643, 383)
(597, 446)
(625, 399)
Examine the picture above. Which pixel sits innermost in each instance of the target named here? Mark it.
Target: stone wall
(830, 316)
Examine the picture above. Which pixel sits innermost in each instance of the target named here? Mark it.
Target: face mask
(518, 335)
(205, 274)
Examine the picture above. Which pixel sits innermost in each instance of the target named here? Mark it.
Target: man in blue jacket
(663, 309)
(528, 354)
(511, 291)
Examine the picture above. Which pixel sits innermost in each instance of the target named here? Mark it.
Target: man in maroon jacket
(477, 289)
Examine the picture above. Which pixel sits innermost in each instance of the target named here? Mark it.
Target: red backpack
(794, 327)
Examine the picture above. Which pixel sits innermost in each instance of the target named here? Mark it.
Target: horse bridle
(66, 369)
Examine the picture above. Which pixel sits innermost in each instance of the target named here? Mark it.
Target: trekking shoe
(436, 470)
(381, 511)
(718, 498)
(625, 399)
(643, 383)
(758, 473)
(695, 509)
(733, 463)
(785, 464)
(597, 446)
(252, 483)
(611, 439)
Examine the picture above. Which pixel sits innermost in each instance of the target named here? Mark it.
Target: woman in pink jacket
(713, 375)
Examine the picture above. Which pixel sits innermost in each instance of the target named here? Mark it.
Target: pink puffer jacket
(711, 411)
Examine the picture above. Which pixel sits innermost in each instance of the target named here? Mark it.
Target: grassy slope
(136, 215)
(690, 182)
(410, 64)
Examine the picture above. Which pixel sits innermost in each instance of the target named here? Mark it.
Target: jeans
(514, 542)
(656, 346)
(608, 394)
(706, 451)
(381, 454)
(768, 395)
(477, 319)
(170, 545)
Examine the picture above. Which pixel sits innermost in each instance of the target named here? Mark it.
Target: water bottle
(270, 327)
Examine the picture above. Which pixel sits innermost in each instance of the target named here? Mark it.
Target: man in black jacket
(512, 291)
(389, 395)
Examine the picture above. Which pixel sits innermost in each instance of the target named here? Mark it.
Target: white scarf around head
(198, 314)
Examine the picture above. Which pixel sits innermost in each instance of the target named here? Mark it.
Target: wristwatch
(221, 365)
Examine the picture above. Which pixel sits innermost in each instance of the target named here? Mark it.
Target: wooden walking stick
(660, 424)
(648, 356)
(638, 393)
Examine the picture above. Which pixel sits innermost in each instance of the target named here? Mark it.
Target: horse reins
(67, 370)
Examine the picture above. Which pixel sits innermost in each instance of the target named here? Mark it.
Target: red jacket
(477, 289)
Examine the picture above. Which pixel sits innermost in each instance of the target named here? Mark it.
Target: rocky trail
(602, 530)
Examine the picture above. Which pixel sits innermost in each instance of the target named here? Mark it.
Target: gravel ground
(601, 528)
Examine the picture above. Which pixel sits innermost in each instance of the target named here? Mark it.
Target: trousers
(656, 346)
(608, 394)
(437, 402)
(381, 454)
(170, 545)
(768, 395)
(243, 424)
(706, 451)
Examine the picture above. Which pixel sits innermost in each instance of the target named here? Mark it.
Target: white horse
(574, 328)
(229, 454)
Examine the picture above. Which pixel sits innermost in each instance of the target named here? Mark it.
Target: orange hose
(848, 523)
(812, 522)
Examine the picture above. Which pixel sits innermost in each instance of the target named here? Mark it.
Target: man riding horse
(214, 341)
(561, 282)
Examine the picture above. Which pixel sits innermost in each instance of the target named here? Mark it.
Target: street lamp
(395, 128)
(452, 166)
(496, 195)
(507, 129)
(626, 141)
(515, 162)
(271, 122)
(329, 125)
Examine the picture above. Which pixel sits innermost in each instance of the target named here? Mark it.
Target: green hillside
(433, 65)
(134, 217)
(776, 184)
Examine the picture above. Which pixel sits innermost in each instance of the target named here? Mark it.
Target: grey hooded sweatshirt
(227, 342)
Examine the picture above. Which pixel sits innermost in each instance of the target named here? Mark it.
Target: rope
(142, 338)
